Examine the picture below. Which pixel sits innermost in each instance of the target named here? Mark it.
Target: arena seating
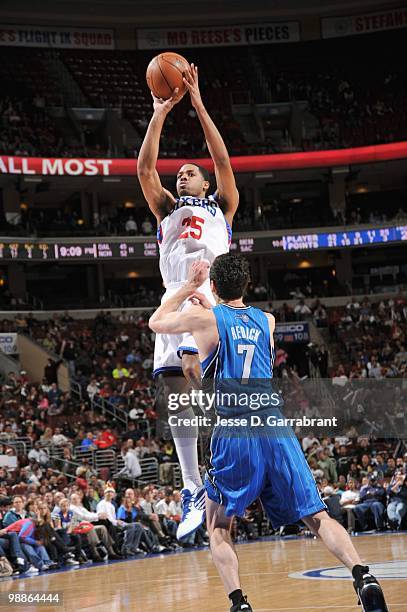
(350, 106)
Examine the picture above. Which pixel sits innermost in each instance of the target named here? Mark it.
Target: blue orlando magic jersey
(242, 363)
(244, 345)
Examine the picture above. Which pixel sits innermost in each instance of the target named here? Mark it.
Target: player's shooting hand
(191, 81)
(164, 106)
(198, 273)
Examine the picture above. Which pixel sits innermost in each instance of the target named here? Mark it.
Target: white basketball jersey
(194, 229)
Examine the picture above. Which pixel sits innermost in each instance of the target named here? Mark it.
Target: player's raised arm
(225, 180)
(159, 199)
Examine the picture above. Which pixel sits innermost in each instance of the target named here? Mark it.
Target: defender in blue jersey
(249, 458)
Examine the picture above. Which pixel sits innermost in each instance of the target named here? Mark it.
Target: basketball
(164, 74)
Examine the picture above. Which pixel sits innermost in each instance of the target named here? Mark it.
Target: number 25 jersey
(195, 229)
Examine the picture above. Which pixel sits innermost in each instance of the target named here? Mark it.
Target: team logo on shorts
(244, 317)
(390, 570)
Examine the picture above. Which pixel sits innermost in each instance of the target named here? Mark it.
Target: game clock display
(64, 251)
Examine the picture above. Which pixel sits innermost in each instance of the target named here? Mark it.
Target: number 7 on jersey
(247, 364)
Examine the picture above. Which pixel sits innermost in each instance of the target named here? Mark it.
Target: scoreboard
(103, 249)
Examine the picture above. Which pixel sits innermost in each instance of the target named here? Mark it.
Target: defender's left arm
(225, 179)
(167, 319)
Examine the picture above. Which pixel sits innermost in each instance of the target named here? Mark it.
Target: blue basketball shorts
(270, 466)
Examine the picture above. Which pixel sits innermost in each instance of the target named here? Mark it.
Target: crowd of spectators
(348, 113)
(372, 336)
(109, 358)
(364, 484)
(112, 220)
(56, 523)
(115, 219)
(26, 129)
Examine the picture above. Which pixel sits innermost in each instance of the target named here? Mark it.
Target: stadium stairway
(70, 89)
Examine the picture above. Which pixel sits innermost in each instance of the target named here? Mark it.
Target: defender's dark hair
(231, 275)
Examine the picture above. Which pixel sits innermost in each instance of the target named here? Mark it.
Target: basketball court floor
(278, 575)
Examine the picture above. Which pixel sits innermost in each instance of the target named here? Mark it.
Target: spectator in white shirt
(38, 454)
(58, 439)
(98, 534)
(134, 530)
(56, 509)
(105, 506)
(353, 306)
(176, 504)
(302, 310)
(163, 508)
(350, 497)
(81, 513)
(308, 441)
(92, 389)
(374, 369)
(131, 226)
(132, 468)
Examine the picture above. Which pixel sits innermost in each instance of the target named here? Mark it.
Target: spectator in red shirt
(105, 439)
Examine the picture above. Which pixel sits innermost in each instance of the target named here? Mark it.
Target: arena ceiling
(161, 12)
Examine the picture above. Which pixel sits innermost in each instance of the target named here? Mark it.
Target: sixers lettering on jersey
(195, 229)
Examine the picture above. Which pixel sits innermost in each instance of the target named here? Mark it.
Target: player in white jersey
(191, 226)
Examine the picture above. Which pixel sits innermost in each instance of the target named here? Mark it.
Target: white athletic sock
(185, 440)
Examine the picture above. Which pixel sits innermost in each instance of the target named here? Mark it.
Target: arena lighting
(129, 205)
(338, 170)
(264, 175)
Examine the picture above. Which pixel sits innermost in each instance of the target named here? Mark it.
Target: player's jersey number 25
(194, 226)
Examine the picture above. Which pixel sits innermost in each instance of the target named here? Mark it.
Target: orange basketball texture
(164, 74)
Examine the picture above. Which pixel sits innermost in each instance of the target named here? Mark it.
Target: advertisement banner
(332, 27)
(61, 38)
(8, 343)
(221, 36)
(72, 166)
(295, 331)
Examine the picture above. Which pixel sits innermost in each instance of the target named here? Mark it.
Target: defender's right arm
(159, 199)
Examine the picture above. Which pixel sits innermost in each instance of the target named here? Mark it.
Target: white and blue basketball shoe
(193, 514)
